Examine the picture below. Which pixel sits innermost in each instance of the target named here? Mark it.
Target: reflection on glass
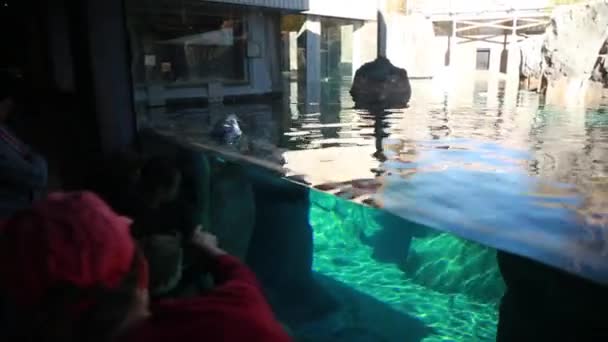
(187, 44)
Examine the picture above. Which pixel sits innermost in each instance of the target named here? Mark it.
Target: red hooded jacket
(234, 311)
(76, 238)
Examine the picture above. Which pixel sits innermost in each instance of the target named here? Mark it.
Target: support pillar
(293, 51)
(504, 55)
(514, 55)
(357, 46)
(451, 44)
(346, 50)
(382, 28)
(309, 70)
(110, 73)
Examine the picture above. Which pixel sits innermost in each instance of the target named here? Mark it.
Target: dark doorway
(24, 44)
(483, 59)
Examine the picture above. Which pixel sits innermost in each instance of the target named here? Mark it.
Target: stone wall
(531, 62)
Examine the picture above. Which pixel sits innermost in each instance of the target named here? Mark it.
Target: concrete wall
(408, 45)
(59, 46)
(464, 55)
(364, 44)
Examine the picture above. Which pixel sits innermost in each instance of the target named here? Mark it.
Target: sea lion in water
(227, 131)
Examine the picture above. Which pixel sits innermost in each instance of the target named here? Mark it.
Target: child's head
(82, 278)
(160, 180)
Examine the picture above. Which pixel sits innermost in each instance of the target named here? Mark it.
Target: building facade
(483, 35)
(210, 50)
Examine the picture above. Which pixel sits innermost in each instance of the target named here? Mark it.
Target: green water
(453, 286)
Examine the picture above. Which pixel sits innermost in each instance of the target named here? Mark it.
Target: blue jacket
(23, 178)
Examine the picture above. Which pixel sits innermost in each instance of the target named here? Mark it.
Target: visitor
(164, 225)
(70, 271)
(23, 173)
(113, 177)
(159, 208)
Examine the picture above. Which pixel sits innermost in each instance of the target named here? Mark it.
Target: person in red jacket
(70, 271)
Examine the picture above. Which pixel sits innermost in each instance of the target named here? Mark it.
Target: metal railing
(493, 13)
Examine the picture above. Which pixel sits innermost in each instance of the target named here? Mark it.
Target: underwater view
(335, 270)
(451, 285)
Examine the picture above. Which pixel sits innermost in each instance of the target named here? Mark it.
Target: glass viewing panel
(185, 43)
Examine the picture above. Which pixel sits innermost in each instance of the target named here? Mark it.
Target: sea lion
(227, 131)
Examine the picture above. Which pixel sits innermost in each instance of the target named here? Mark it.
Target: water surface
(474, 157)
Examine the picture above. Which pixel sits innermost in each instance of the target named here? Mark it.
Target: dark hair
(11, 85)
(52, 321)
(113, 178)
(158, 172)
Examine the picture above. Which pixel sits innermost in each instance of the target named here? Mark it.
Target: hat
(69, 238)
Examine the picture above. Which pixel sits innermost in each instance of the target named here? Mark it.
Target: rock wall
(600, 71)
(437, 261)
(531, 56)
(531, 62)
(570, 51)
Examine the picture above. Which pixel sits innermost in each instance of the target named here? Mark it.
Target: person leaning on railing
(23, 173)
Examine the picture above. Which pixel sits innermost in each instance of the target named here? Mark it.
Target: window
(186, 43)
(483, 59)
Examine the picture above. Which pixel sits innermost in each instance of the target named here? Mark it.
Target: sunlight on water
(480, 159)
(476, 157)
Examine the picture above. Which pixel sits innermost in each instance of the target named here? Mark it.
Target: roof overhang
(366, 10)
(287, 5)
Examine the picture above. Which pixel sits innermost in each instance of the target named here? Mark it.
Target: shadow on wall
(545, 304)
(316, 308)
(281, 247)
(363, 319)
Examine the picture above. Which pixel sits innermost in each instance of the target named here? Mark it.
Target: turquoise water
(393, 280)
(451, 285)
